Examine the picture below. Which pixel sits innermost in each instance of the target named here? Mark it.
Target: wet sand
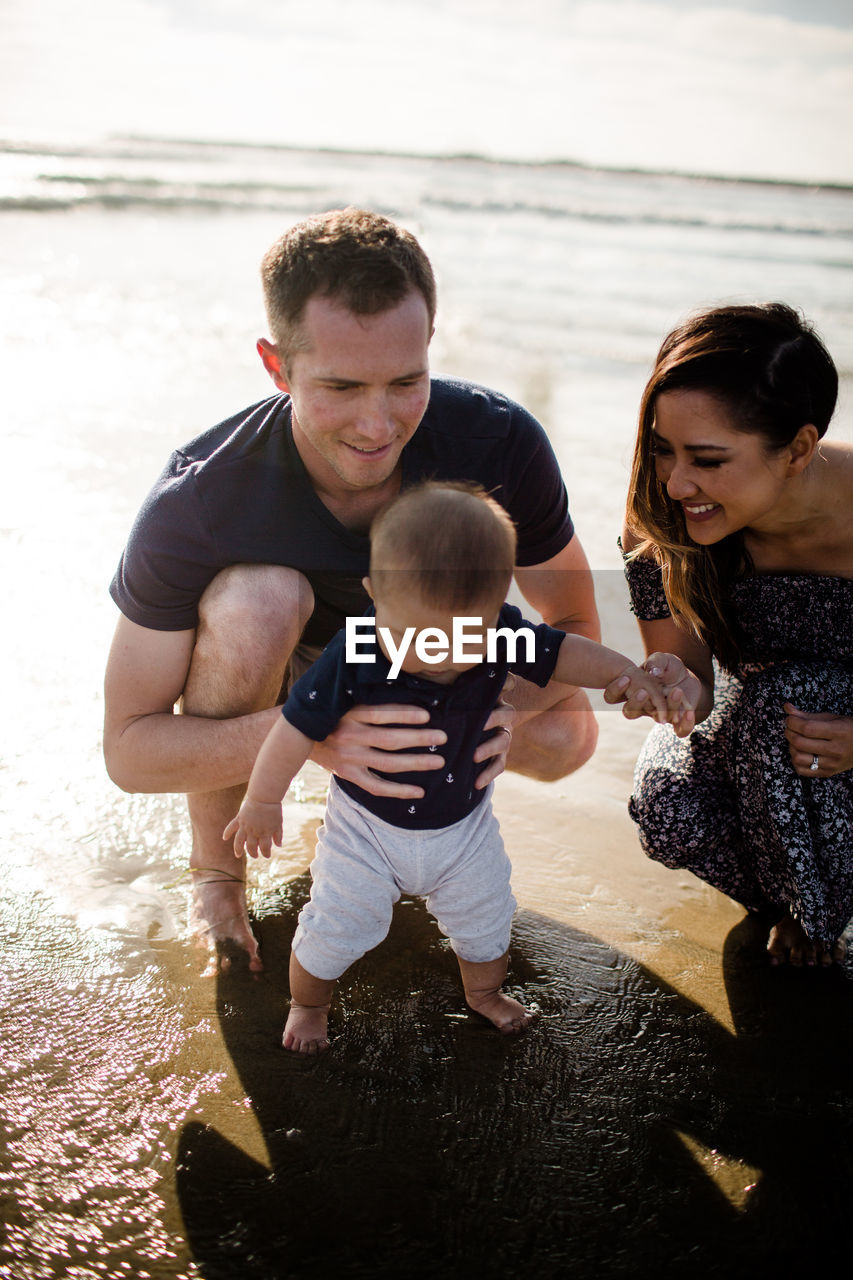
(679, 1109)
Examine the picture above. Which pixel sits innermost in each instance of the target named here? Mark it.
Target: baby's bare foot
(220, 920)
(510, 1017)
(306, 1029)
(789, 943)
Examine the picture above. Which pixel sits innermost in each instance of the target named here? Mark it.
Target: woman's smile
(700, 511)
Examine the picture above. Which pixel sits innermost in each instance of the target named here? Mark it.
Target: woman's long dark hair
(772, 373)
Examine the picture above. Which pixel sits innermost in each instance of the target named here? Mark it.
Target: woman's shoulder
(630, 543)
(837, 456)
(645, 581)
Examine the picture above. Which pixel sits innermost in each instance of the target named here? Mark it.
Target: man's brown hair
(360, 259)
(448, 543)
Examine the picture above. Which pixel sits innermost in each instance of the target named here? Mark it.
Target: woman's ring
(504, 729)
(815, 764)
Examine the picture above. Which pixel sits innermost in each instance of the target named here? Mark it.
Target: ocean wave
(185, 175)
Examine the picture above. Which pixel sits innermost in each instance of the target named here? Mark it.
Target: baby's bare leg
(306, 1028)
(482, 983)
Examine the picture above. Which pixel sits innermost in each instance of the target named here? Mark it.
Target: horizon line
(30, 146)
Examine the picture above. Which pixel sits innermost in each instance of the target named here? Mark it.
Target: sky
(759, 88)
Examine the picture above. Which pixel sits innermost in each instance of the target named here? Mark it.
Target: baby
(442, 557)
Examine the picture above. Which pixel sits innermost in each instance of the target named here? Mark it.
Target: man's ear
(365, 582)
(273, 363)
(802, 449)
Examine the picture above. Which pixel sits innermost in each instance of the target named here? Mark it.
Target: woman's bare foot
(510, 1017)
(219, 918)
(788, 943)
(306, 1029)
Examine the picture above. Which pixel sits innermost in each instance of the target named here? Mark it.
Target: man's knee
(258, 607)
(250, 620)
(268, 593)
(557, 741)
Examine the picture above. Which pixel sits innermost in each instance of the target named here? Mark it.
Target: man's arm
(146, 746)
(554, 729)
(561, 591)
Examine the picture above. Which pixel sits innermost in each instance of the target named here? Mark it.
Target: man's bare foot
(510, 1017)
(788, 943)
(219, 918)
(306, 1029)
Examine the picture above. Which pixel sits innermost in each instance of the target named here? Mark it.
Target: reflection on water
(91, 1101)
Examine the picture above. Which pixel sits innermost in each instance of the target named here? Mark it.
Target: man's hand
(496, 747)
(363, 742)
(821, 736)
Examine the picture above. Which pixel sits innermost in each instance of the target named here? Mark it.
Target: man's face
(359, 386)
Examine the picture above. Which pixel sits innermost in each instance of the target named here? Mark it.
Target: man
(249, 552)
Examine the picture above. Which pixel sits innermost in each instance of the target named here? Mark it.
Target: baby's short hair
(448, 542)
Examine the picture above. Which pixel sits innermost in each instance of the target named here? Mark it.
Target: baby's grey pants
(363, 864)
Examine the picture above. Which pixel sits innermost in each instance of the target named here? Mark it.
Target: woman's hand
(821, 736)
(681, 687)
(641, 694)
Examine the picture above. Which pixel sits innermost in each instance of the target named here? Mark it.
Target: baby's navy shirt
(332, 686)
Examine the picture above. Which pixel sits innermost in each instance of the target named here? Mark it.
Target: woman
(739, 556)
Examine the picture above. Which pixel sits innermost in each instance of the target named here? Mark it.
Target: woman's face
(725, 480)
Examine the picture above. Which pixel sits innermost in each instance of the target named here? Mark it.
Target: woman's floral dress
(726, 803)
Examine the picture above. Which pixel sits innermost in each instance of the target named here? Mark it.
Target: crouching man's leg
(554, 730)
(250, 620)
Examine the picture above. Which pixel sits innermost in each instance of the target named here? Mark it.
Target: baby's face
(432, 652)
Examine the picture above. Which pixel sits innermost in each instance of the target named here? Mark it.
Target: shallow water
(155, 1128)
(662, 1115)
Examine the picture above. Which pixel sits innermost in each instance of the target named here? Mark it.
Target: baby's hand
(256, 828)
(642, 693)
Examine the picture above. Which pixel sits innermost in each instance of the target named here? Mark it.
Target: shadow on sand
(628, 1135)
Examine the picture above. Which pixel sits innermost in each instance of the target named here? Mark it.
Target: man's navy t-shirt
(239, 494)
